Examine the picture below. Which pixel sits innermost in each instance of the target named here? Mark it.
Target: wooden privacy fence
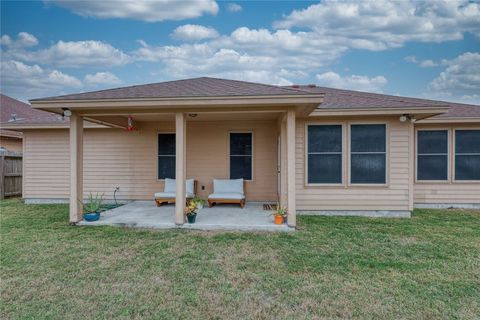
(10, 174)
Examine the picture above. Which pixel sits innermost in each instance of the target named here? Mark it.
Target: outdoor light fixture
(192, 115)
(66, 112)
(407, 117)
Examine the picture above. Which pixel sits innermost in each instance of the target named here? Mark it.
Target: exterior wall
(394, 196)
(11, 144)
(113, 157)
(448, 192)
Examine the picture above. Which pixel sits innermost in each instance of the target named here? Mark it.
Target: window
(241, 147)
(166, 155)
(432, 155)
(368, 154)
(324, 154)
(467, 155)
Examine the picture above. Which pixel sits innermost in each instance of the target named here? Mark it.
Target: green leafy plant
(191, 208)
(198, 201)
(94, 203)
(278, 210)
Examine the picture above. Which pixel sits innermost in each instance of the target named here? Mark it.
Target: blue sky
(424, 49)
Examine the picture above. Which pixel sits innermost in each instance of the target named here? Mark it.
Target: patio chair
(227, 191)
(170, 191)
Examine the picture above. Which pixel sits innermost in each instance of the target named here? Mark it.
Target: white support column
(76, 168)
(283, 161)
(180, 169)
(411, 164)
(291, 196)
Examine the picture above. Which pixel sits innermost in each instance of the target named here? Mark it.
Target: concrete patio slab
(145, 214)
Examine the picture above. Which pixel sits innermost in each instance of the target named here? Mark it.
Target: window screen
(467, 155)
(241, 147)
(432, 155)
(368, 153)
(166, 155)
(324, 154)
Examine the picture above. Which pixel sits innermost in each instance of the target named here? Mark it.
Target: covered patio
(144, 214)
(200, 116)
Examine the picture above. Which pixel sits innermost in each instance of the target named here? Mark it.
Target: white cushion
(171, 186)
(227, 195)
(171, 195)
(189, 186)
(228, 186)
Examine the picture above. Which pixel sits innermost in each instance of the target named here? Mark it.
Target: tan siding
(449, 191)
(11, 144)
(113, 157)
(394, 196)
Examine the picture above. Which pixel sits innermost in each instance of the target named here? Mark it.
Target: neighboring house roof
(13, 111)
(349, 99)
(188, 88)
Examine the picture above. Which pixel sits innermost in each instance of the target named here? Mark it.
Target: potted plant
(199, 202)
(279, 214)
(92, 208)
(191, 212)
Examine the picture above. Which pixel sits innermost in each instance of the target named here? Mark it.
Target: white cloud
(101, 78)
(24, 40)
(423, 63)
(73, 54)
(460, 80)
(194, 32)
(234, 7)
(411, 59)
(353, 82)
(29, 81)
(146, 10)
(382, 24)
(428, 64)
(245, 54)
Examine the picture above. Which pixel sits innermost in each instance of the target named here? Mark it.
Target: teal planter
(191, 218)
(91, 216)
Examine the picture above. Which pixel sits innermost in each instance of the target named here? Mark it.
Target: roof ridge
(257, 83)
(184, 80)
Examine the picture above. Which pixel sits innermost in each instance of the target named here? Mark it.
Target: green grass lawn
(426, 267)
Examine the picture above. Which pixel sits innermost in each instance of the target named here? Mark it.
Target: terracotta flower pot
(278, 219)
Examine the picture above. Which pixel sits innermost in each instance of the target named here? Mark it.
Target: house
(14, 111)
(315, 149)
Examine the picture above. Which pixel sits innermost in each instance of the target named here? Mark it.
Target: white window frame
(454, 156)
(449, 145)
(342, 153)
(251, 156)
(158, 156)
(387, 155)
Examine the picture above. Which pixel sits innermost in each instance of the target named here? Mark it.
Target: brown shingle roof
(344, 99)
(196, 87)
(14, 111)
(213, 87)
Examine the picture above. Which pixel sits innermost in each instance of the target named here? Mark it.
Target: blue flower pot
(91, 216)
